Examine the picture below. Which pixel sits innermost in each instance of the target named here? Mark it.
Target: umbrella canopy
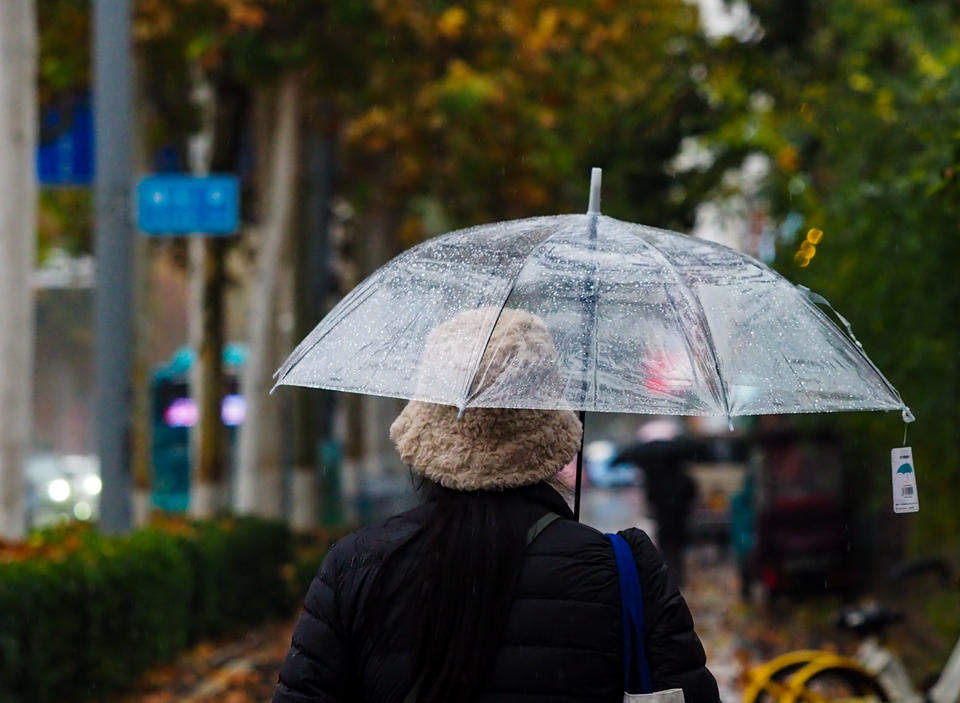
(644, 320)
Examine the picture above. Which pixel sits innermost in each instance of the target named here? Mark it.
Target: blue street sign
(178, 204)
(65, 152)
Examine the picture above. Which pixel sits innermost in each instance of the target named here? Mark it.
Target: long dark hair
(454, 577)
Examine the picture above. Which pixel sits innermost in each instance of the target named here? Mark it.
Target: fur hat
(488, 448)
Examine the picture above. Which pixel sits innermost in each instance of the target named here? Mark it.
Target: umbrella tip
(596, 176)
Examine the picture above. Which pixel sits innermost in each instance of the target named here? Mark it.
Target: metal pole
(590, 320)
(579, 486)
(112, 100)
(18, 243)
(596, 179)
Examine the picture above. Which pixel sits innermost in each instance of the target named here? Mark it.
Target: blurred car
(602, 469)
(62, 487)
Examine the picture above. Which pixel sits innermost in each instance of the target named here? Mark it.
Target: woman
(458, 599)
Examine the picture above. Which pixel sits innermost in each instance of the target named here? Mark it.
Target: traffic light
(808, 248)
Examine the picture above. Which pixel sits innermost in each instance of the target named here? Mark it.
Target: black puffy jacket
(563, 637)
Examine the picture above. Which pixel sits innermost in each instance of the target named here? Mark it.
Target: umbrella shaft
(576, 494)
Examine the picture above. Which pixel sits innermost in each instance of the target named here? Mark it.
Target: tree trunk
(350, 431)
(18, 212)
(312, 282)
(275, 422)
(206, 333)
(207, 271)
(223, 102)
(254, 493)
(140, 439)
(140, 459)
(380, 459)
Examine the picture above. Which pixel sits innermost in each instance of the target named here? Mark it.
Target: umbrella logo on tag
(905, 469)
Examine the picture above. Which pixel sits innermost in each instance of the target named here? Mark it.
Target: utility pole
(113, 104)
(18, 213)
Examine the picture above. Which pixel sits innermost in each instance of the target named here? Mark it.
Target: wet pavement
(612, 509)
(719, 618)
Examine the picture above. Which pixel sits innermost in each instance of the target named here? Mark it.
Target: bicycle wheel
(767, 683)
(833, 683)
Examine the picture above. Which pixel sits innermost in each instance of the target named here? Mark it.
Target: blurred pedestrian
(489, 590)
(742, 537)
(663, 454)
(672, 493)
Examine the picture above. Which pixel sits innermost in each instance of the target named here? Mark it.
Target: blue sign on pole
(65, 152)
(178, 204)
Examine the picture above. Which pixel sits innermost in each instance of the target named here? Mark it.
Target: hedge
(86, 614)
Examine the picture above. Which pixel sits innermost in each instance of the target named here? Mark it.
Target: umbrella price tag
(905, 499)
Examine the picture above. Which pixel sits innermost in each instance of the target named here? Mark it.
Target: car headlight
(91, 484)
(58, 490)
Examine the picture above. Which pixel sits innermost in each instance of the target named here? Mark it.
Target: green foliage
(309, 555)
(484, 110)
(865, 138)
(135, 601)
(64, 66)
(229, 587)
(90, 619)
(445, 114)
(64, 221)
(496, 111)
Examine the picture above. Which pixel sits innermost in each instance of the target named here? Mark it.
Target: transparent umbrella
(644, 320)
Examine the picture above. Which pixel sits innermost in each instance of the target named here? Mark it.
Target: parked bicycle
(874, 673)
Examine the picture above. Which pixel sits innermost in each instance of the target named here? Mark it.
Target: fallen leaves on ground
(238, 670)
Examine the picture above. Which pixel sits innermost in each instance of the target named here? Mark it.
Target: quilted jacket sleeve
(674, 653)
(317, 666)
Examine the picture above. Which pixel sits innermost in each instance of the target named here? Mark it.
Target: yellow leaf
(547, 118)
(451, 22)
(787, 159)
(884, 105)
(860, 82)
(929, 65)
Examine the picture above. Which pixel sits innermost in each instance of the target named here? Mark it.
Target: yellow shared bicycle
(874, 673)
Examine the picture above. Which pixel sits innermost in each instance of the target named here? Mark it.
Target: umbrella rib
(858, 348)
(360, 294)
(478, 355)
(688, 345)
(786, 361)
(701, 316)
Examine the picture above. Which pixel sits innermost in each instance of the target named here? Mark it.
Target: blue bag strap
(636, 671)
